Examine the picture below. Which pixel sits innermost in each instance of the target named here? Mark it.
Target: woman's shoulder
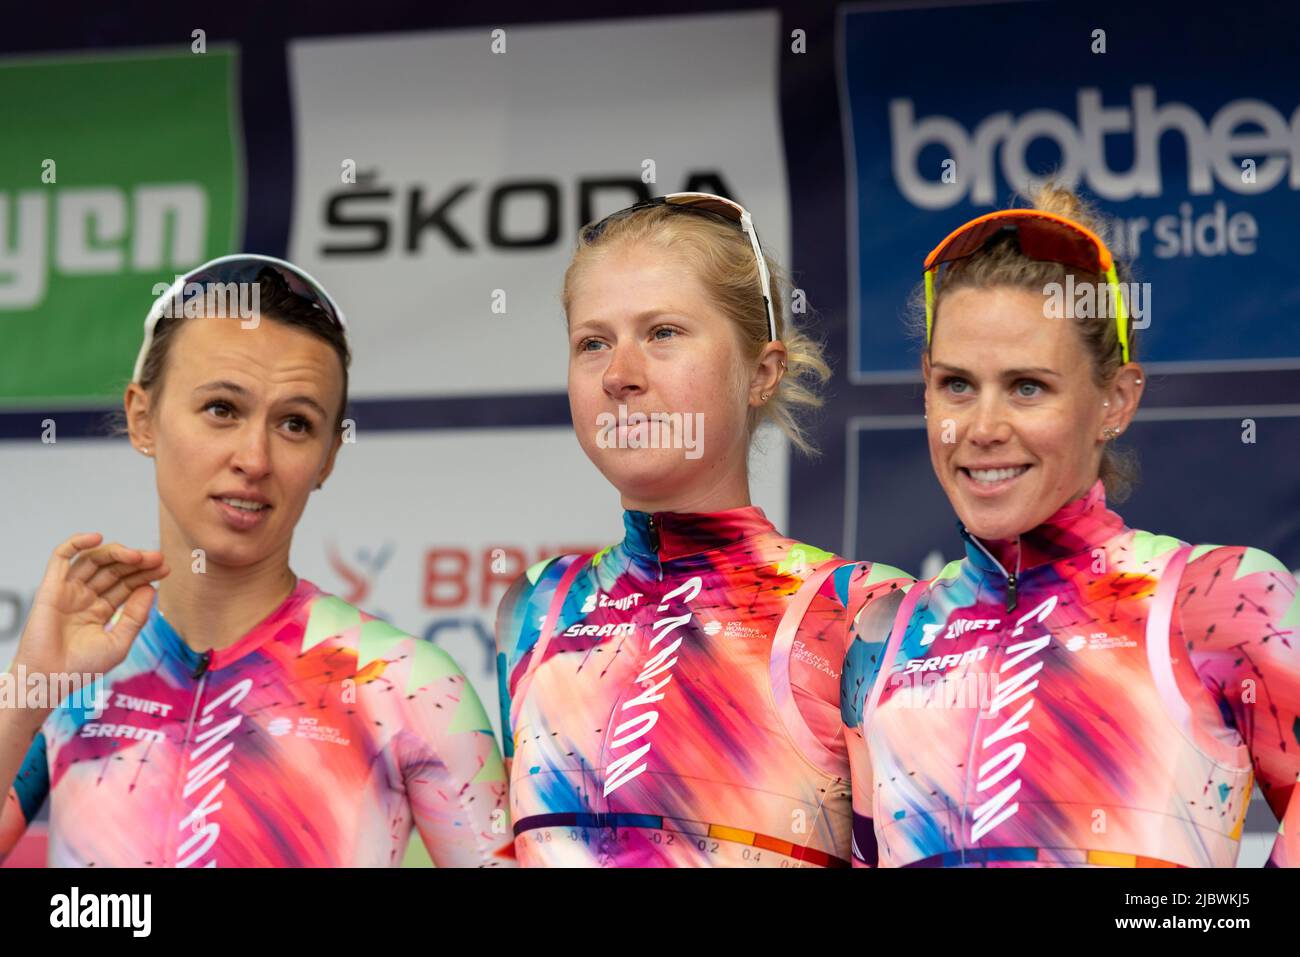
(526, 600)
(1218, 578)
(850, 582)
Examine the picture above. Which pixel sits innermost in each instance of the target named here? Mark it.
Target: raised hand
(85, 584)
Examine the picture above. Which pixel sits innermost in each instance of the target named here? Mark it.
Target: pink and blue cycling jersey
(673, 700)
(1089, 694)
(323, 737)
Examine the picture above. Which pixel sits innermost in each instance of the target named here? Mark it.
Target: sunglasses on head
(1043, 236)
(728, 209)
(243, 268)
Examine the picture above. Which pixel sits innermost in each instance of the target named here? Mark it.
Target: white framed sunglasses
(728, 209)
(235, 268)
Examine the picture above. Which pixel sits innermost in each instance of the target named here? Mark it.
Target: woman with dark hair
(1073, 692)
(241, 717)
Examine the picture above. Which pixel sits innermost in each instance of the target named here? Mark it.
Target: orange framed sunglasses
(1043, 236)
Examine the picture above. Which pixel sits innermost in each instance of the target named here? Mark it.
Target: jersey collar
(1077, 526)
(272, 626)
(664, 536)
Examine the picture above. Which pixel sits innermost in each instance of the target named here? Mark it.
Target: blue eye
(955, 385)
(582, 346)
(1023, 383)
(659, 329)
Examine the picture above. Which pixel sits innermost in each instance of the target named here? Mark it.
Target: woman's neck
(730, 492)
(212, 606)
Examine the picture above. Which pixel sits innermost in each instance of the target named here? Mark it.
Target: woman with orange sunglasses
(1074, 691)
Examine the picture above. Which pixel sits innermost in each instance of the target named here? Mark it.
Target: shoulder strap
(896, 633)
(557, 605)
(553, 610)
(1159, 620)
(779, 668)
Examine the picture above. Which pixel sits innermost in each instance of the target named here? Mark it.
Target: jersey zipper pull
(205, 661)
(653, 529)
(1011, 580)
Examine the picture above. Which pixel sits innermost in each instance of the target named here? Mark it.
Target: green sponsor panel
(117, 172)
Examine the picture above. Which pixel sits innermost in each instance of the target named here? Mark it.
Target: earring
(765, 396)
(1105, 404)
(145, 450)
(1110, 433)
(1138, 381)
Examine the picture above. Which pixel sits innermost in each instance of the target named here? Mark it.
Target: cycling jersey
(674, 699)
(1089, 695)
(318, 739)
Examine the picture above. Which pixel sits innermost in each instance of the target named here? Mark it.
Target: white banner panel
(473, 169)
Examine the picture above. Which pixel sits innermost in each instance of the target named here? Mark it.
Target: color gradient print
(678, 703)
(321, 738)
(1114, 709)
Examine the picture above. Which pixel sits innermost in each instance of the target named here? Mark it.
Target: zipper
(205, 662)
(654, 544)
(200, 672)
(1011, 577)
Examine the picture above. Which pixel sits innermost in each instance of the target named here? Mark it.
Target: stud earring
(1110, 433)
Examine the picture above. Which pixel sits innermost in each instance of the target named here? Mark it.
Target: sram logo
(943, 662)
(1214, 150)
(599, 631)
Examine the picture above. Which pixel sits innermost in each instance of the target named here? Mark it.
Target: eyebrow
(1006, 374)
(645, 315)
(225, 385)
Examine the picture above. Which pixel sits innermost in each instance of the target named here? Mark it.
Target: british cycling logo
(103, 910)
(359, 576)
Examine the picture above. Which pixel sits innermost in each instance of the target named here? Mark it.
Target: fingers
(124, 587)
(134, 614)
(109, 575)
(86, 564)
(56, 570)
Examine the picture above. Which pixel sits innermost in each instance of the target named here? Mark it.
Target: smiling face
(644, 334)
(1014, 414)
(242, 431)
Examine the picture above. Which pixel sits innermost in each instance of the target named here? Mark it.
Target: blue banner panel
(1189, 148)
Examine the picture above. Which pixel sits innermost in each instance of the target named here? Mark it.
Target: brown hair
(720, 256)
(1001, 263)
(276, 302)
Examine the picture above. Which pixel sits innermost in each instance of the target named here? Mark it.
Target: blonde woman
(1073, 692)
(673, 700)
